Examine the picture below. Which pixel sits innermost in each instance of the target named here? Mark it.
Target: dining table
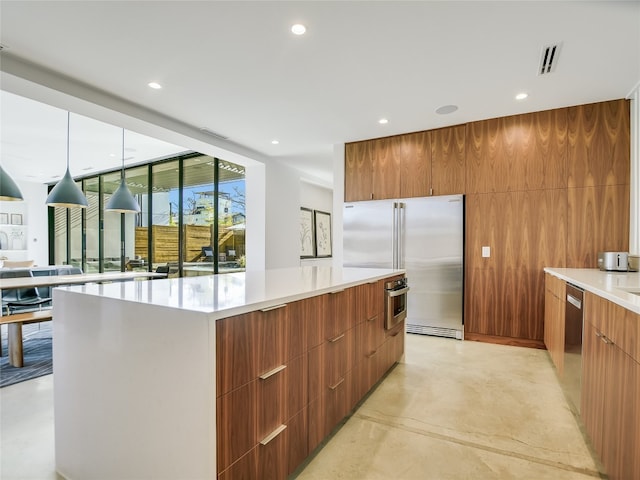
(15, 342)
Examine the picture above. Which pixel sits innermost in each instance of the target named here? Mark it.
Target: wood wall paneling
(448, 161)
(599, 143)
(521, 152)
(414, 151)
(504, 293)
(598, 220)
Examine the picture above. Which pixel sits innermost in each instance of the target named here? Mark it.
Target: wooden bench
(15, 322)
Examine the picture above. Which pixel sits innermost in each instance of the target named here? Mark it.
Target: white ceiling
(236, 69)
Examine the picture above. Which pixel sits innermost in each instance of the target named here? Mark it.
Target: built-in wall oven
(395, 302)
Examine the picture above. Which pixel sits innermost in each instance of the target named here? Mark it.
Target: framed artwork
(323, 233)
(307, 237)
(16, 219)
(4, 218)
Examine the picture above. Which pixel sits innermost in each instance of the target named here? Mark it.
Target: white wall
(35, 221)
(282, 216)
(316, 197)
(338, 202)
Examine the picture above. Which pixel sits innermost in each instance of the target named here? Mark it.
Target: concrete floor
(453, 410)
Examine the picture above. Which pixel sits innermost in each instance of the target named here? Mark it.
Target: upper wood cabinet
(411, 165)
(448, 164)
(520, 152)
(599, 136)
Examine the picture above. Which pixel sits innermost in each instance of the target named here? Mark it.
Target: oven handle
(396, 293)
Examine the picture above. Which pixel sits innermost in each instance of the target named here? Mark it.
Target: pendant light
(122, 200)
(9, 190)
(66, 192)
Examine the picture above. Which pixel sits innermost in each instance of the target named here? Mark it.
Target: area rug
(37, 354)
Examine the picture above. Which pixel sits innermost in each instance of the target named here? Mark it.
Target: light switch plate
(486, 252)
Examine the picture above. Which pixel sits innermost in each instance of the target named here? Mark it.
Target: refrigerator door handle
(401, 235)
(394, 237)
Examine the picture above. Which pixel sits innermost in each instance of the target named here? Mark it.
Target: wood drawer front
(623, 330)
(369, 301)
(236, 338)
(236, 424)
(297, 441)
(297, 390)
(306, 319)
(249, 345)
(339, 357)
(270, 404)
(273, 345)
(340, 313)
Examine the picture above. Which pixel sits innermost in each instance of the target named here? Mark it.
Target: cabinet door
(620, 419)
(386, 168)
(414, 150)
(358, 171)
(448, 160)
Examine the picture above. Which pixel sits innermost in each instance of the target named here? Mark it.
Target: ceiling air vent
(213, 134)
(549, 59)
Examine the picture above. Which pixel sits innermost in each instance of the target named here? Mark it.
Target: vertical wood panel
(448, 160)
(505, 293)
(414, 150)
(386, 168)
(599, 136)
(358, 175)
(598, 220)
(521, 152)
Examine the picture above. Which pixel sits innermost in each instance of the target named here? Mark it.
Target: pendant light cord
(123, 153)
(68, 130)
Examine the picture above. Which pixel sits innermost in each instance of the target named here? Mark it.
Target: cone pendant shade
(9, 190)
(66, 193)
(122, 200)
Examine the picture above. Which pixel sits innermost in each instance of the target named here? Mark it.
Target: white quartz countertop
(618, 287)
(236, 293)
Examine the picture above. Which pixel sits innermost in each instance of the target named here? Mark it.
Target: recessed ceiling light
(383, 121)
(446, 109)
(275, 142)
(155, 85)
(521, 96)
(112, 154)
(298, 29)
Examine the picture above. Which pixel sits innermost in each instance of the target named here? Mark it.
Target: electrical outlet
(486, 252)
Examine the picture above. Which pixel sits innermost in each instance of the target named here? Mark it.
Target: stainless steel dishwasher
(571, 378)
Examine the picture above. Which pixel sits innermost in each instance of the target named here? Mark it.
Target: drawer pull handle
(336, 291)
(371, 354)
(270, 373)
(603, 338)
(333, 340)
(275, 307)
(337, 384)
(273, 435)
(395, 334)
(372, 318)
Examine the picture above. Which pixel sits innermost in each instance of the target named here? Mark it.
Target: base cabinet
(611, 386)
(288, 376)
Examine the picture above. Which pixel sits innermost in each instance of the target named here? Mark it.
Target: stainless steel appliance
(425, 237)
(395, 302)
(572, 371)
(613, 261)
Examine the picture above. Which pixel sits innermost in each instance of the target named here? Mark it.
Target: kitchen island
(609, 367)
(208, 377)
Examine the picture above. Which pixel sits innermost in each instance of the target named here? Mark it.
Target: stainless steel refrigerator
(424, 236)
